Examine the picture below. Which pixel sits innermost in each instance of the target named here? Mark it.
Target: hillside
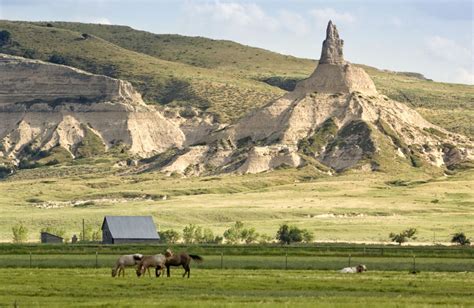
(220, 77)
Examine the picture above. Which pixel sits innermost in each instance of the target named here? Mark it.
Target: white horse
(124, 261)
(355, 269)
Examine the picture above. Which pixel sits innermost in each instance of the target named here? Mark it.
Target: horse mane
(137, 257)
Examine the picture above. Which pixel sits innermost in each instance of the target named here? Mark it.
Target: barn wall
(106, 236)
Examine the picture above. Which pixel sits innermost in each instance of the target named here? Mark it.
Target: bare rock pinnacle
(332, 52)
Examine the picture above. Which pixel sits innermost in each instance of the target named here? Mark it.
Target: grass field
(343, 208)
(271, 288)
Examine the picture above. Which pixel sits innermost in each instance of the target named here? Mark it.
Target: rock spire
(332, 52)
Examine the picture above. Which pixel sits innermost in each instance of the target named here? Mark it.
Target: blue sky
(433, 37)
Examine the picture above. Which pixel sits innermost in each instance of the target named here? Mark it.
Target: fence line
(222, 261)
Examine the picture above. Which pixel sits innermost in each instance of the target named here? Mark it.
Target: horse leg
(148, 269)
(167, 271)
(188, 268)
(185, 270)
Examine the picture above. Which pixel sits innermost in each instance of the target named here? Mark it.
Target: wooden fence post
(30, 259)
(414, 264)
(96, 259)
(286, 260)
(222, 260)
(350, 260)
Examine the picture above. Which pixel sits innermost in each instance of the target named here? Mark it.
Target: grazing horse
(356, 269)
(124, 261)
(156, 261)
(180, 259)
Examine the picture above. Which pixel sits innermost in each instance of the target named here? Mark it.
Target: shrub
(249, 235)
(170, 236)
(461, 239)
(403, 236)
(233, 235)
(20, 233)
(57, 58)
(5, 38)
(288, 234)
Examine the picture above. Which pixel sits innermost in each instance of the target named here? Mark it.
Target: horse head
(114, 272)
(168, 253)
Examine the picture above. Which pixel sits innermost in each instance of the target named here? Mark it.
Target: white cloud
(464, 76)
(294, 23)
(233, 14)
(322, 16)
(447, 50)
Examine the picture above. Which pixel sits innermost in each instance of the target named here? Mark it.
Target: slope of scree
(334, 120)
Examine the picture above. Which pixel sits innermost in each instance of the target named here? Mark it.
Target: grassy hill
(222, 77)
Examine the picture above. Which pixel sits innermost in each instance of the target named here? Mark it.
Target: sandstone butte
(334, 120)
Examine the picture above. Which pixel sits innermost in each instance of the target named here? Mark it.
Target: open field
(95, 287)
(348, 207)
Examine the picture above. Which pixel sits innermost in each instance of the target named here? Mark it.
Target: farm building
(48, 238)
(129, 229)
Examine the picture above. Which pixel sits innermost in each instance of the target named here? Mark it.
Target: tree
(170, 236)
(5, 38)
(288, 234)
(403, 236)
(249, 235)
(20, 233)
(461, 239)
(207, 236)
(233, 235)
(308, 237)
(189, 234)
(87, 235)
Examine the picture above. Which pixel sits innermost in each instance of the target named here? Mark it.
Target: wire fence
(222, 261)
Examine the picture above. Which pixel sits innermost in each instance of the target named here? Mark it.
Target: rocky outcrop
(44, 106)
(336, 120)
(332, 51)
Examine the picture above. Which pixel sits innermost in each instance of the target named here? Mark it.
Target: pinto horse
(182, 259)
(124, 261)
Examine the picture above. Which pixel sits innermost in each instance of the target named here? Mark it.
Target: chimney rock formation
(332, 52)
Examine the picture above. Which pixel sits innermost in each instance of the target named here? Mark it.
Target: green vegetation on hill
(221, 77)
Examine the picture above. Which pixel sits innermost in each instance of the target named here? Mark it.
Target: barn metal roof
(131, 227)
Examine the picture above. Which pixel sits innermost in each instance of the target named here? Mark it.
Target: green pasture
(270, 288)
(351, 207)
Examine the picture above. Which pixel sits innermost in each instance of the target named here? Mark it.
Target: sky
(432, 37)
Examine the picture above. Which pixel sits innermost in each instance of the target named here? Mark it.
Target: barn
(129, 229)
(48, 238)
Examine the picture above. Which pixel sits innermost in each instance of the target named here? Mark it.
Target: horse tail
(196, 258)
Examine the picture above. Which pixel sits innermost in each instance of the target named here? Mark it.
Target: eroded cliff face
(335, 120)
(44, 106)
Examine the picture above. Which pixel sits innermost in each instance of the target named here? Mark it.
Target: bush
(5, 38)
(57, 58)
(233, 235)
(20, 233)
(170, 236)
(291, 234)
(461, 239)
(403, 236)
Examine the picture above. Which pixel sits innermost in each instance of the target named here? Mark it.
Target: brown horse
(180, 259)
(156, 261)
